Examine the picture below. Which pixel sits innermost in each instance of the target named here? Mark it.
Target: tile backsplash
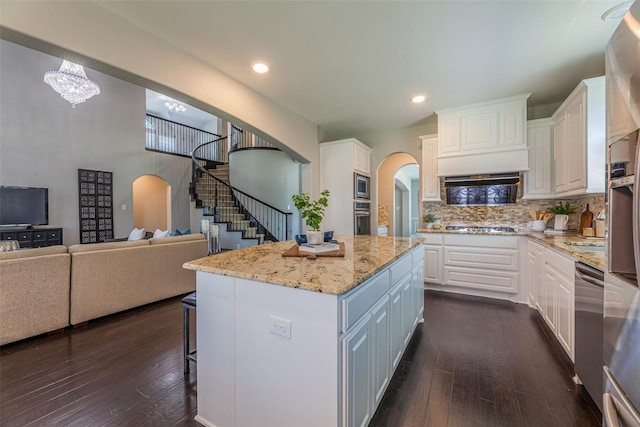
(515, 215)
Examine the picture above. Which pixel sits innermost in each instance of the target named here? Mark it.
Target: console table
(34, 237)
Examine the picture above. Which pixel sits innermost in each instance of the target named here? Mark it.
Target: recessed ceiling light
(616, 12)
(260, 67)
(418, 99)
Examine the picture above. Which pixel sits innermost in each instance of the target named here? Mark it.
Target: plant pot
(315, 237)
(561, 222)
(429, 224)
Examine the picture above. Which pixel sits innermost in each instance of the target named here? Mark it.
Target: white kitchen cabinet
(578, 140)
(357, 350)
(417, 277)
(430, 179)
(381, 345)
(535, 273)
(538, 180)
(361, 158)
(374, 339)
(433, 263)
(559, 290)
(487, 137)
(339, 160)
(395, 301)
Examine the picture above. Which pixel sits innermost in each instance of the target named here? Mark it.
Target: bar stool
(188, 303)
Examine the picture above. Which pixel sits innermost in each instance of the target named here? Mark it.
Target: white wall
(269, 175)
(44, 141)
(109, 43)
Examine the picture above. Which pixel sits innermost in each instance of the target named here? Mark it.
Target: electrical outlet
(280, 326)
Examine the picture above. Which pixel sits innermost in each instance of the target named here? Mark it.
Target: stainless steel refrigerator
(621, 349)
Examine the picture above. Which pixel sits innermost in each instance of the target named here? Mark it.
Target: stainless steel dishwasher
(589, 308)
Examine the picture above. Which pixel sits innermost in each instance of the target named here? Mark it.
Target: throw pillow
(176, 232)
(136, 234)
(186, 231)
(159, 233)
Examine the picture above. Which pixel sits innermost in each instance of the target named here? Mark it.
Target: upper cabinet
(339, 160)
(538, 180)
(488, 137)
(579, 140)
(361, 158)
(430, 179)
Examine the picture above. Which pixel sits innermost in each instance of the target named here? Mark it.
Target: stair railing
(170, 137)
(274, 223)
(242, 140)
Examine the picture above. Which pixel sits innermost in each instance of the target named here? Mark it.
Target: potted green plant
(429, 219)
(561, 212)
(312, 211)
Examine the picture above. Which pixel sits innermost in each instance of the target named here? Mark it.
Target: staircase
(223, 206)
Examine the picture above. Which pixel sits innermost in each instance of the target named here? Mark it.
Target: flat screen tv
(24, 206)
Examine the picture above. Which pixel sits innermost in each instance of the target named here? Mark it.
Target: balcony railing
(174, 138)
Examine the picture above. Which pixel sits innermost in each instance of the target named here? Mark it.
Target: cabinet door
(433, 264)
(361, 159)
(357, 363)
(430, 179)
(407, 309)
(549, 304)
(395, 299)
(418, 292)
(479, 131)
(532, 277)
(575, 144)
(381, 344)
(449, 135)
(564, 313)
(559, 155)
(539, 178)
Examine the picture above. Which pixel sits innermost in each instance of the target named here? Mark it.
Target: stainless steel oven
(361, 218)
(361, 190)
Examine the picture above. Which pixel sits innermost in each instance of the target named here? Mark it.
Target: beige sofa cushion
(176, 239)
(30, 253)
(74, 249)
(34, 292)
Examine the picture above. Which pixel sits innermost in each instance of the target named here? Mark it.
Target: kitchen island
(301, 342)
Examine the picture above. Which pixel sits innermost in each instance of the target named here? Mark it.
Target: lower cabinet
(535, 273)
(358, 354)
(373, 346)
(559, 289)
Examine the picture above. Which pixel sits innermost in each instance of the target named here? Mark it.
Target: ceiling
(351, 67)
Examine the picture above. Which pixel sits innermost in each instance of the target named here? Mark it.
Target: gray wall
(44, 141)
(271, 176)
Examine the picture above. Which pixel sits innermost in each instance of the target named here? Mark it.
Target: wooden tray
(295, 252)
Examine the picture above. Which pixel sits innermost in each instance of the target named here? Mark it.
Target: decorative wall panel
(95, 191)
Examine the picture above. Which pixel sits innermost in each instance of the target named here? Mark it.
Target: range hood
(482, 189)
(493, 162)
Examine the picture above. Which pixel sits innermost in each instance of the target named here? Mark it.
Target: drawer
(24, 236)
(417, 256)
(39, 235)
(483, 279)
(431, 239)
(54, 235)
(9, 235)
(488, 259)
(362, 298)
(400, 268)
(561, 262)
(482, 241)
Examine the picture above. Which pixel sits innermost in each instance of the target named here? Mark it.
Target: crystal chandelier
(174, 106)
(72, 83)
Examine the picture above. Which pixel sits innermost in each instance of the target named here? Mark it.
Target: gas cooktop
(483, 229)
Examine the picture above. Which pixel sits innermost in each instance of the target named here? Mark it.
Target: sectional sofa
(46, 289)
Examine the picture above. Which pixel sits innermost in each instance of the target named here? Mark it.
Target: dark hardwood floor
(474, 362)
(484, 362)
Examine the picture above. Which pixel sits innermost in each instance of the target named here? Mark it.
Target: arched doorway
(396, 208)
(151, 203)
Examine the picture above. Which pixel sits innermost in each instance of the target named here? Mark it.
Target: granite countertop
(364, 257)
(570, 244)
